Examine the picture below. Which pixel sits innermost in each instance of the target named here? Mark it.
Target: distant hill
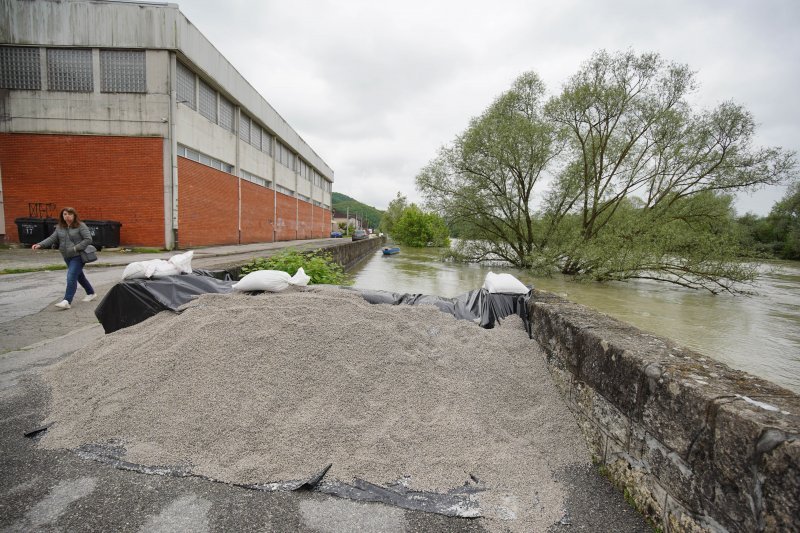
(341, 203)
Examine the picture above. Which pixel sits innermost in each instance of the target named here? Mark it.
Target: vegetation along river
(757, 333)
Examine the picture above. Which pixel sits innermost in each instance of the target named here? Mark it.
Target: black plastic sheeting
(455, 502)
(132, 301)
(478, 305)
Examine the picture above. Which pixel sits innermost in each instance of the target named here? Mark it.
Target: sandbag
(271, 280)
(504, 284)
(159, 268)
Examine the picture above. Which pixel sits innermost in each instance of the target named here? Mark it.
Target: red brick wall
(322, 222)
(258, 211)
(286, 226)
(208, 201)
(122, 179)
(304, 227)
(102, 177)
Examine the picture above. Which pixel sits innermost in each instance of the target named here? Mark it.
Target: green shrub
(319, 266)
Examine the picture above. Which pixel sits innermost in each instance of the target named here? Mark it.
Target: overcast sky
(377, 87)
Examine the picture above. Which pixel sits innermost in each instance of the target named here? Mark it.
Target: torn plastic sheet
(132, 301)
(458, 502)
(478, 305)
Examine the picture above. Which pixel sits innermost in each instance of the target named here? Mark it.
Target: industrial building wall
(258, 213)
(322, 222)
(102, 177)
(286, 221)
(208, 202)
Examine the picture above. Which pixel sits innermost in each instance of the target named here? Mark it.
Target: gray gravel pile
(273, 387)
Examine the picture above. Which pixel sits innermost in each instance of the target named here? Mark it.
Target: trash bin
(105, 233)
(50, 226)
(31, 230)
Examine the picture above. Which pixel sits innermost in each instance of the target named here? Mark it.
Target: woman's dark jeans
(75, 275)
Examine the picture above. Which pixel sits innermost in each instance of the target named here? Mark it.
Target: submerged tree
(638, 191)
(483, 183)
(784, 223)
(631, 132)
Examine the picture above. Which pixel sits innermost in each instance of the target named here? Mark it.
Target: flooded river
(759, 334)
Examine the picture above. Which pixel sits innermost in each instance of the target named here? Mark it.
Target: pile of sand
(273, 387)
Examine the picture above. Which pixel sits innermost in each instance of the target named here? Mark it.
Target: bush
(319, 266)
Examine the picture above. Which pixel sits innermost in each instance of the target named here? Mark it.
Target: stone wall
(696, 445)
(349, 253)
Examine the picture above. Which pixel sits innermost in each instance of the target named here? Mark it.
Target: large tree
(483, 183)
(640, 190)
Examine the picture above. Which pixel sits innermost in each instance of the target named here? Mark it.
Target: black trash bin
(31, 230)
(105, 233)
(50, 225)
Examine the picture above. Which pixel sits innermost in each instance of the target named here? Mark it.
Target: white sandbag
(183, 262)
(504, 283)
(300, 278)
(271, 280)
(163, 269)
(135, 270)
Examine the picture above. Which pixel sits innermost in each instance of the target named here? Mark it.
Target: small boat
(391, 251)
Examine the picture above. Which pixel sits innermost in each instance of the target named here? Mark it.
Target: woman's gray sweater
(71, 241)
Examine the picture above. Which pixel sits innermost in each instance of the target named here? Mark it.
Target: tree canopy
(634, 182)
(409, 225)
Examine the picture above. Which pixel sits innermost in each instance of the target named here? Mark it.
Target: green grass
(146, 250)
(32, 269)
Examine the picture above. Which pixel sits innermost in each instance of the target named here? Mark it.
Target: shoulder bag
(89, 254)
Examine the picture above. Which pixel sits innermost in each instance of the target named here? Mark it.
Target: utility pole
(347, 222)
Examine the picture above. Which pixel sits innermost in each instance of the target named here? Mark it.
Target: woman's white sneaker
(89, 297)
(63, 304)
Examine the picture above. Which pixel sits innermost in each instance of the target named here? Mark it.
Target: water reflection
(758, 333)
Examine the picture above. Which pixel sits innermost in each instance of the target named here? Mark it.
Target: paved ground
(43, 490)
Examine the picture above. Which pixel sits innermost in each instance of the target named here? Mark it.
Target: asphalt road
(44, 490)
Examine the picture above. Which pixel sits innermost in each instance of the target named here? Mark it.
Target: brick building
(126, 112)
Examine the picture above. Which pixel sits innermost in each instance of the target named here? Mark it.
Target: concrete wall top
(150, 25)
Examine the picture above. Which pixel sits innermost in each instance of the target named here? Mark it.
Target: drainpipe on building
(171, 203)
(274, 193)
(238, 179)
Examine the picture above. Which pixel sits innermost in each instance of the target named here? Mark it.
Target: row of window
(255, 179)
(199, 157)
(70, 69)
(209, 161)
(195, 93)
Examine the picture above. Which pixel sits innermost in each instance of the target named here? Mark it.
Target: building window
(186, 82)
(266, 144)
(194, 155)
(208, 102)
(285, 156)
(225, 113)
(122, 71)
(69, 69)
(255, 136)
(284, 190)
(244, 127)
(19, 68)
(254, 179)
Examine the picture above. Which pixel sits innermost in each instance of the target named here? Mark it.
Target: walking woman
(72, 237)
